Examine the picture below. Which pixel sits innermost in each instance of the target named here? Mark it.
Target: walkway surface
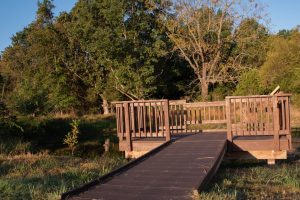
(173, 172)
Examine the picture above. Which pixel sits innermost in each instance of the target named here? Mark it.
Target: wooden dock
(172, 172)
(179, 145)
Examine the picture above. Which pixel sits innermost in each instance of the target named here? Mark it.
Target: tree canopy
(109, 50)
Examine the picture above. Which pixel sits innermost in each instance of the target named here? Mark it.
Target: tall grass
(255, 180)
(44, 176)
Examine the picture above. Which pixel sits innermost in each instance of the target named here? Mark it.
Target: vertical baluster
(234, 115)
(276, 123)
(150, 119)
(167, 125)
(180, 117)
(261, 125)
(162, 120)
(249, 117)
(185, 118)
(283, 115)
(288, 127)
(228, 115)
(156, 120)
(122, 121)
(241, 117)
(256, 115)
(171, 117)
(268, 111)
(176, 118)
(131, 107)
(139, 119)
(118, 122)
(145, 119)
(204, 113)
(209, 113)
(127, 126)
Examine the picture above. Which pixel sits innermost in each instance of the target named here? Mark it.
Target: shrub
(250, 84)
(71, 139)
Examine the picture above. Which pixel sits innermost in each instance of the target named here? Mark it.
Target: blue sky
(16, 14)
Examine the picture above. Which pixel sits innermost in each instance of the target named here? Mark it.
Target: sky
(17, 14)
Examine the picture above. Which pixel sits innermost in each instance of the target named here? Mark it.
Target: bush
(250, 84)
(71, 139)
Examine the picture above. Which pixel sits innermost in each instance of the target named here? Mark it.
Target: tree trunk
(105, 106)
(204, 83)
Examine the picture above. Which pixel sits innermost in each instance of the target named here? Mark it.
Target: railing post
(276, 123)
(127, 126)
(288, 122)
(228, 118)
(167, 120)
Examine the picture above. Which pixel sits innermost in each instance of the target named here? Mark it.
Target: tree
(282, 66)
(124, 43)
(210, 35)
(39, 83)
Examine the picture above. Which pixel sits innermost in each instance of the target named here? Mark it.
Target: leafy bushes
(250, 83)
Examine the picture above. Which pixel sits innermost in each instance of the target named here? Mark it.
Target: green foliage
(7, 120)
(250, 83)
(254, 180)
(71, 139)
(282, 66)
(116, 50)
(43, 176)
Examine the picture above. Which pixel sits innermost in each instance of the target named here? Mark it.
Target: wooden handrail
(142, 119)
(244, 116)
(259, 115)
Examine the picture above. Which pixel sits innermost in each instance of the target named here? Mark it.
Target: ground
(256, 180)
(35, 164)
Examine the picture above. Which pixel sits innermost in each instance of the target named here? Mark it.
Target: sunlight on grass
(43, 176)
(255, 180)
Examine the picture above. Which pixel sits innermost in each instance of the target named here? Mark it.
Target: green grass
(255, 180)
(44, 176)
(35, 164)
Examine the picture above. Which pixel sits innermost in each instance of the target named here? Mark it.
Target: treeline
(106, 50)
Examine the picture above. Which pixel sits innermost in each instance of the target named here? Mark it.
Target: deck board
(171, 173)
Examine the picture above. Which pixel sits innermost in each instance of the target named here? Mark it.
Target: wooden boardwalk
(173, 171)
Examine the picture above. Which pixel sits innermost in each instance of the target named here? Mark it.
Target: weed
(71, 139)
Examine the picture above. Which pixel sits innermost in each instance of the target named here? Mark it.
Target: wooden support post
(167, 123)
(271, 161)
(127, 127)
(106, 145)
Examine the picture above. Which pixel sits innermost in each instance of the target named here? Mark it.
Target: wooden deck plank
(171, 173)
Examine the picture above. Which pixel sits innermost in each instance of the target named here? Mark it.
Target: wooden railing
(194, 117)
(238, 115)
(258, 115)
(142, 119)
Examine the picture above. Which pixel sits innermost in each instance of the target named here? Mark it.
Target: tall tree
(33, 60)
(210, 35)
(282, 66)
(124, 45)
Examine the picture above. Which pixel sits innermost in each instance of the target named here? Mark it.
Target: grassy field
(35, 164)
(44, 176)
(255, 180)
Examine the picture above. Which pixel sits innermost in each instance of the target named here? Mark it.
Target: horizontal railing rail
(196, 116)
